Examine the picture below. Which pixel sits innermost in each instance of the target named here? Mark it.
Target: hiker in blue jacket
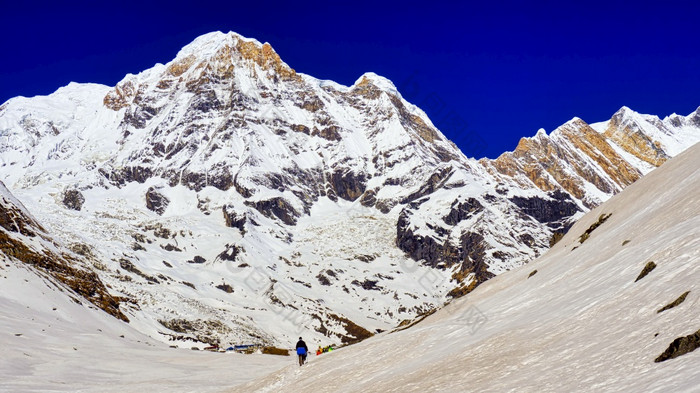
(302, 350)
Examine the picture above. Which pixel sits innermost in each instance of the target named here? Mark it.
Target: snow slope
(580, 323)
(53, 344)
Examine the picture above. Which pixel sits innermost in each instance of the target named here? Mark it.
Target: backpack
(301, 351)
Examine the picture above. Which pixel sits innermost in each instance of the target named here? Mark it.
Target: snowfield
(580, 323)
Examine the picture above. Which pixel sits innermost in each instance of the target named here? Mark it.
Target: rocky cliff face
(339, 210)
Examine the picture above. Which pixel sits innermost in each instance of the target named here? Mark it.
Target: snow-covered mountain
(227, 198)
(612, 307)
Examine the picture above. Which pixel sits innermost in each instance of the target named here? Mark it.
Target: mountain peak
(231, 46)
(575, 123)
(208, 44)
(624, 114)
(212, 57)
(379, 81)
(625, 109)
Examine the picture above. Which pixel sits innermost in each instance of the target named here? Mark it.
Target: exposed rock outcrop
(462, 210)
(347, 184)
(552, 212)
(680, 346)
(156, 201)
(230, 253)
(418, 247)
(435, 181)
(73, 199)
(276, 207)
(234, 219)
(646, 270)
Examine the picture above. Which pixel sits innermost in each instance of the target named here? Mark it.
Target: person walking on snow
(302, 350)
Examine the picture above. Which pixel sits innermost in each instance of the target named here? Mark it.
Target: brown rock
(73, 199)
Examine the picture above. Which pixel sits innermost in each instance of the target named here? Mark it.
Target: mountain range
(225, 198)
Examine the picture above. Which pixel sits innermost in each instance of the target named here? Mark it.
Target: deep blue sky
(490, 71)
